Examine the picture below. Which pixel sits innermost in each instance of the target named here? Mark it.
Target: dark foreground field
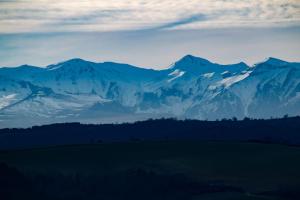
(152, 170)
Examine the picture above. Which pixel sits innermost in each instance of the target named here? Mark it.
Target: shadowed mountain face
(78, 90)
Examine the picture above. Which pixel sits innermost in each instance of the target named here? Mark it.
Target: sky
(148, 33)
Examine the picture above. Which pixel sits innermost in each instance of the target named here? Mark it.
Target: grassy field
(256, 168)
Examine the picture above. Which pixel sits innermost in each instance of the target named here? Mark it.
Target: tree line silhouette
(284, 130)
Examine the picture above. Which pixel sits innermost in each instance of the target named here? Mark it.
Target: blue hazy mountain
(193, 87)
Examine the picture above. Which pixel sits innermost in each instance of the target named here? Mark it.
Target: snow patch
(208, 75)
(227, 82)
(6, 100)
(225, 72)
(175, 74)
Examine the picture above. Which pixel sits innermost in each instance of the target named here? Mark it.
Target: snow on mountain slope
(277, 83)
(185, 85)
(12, 91)
(193, 87)
(267, 89)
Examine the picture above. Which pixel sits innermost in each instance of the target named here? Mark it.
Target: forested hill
(285, 130)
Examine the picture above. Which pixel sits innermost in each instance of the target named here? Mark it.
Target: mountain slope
(193, 87)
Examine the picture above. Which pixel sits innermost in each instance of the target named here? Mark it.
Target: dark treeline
(285, 130)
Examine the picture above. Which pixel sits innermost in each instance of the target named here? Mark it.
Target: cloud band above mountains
(113, 15)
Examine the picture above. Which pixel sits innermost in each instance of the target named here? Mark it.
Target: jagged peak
(274, 64)
(242, 64)
(190, 63)
(273, 61)
(193, 59)
(196, 65)
(22, 67)
(71, 62)
(27, 66)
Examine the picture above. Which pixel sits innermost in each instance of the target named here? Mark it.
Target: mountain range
(193, 87)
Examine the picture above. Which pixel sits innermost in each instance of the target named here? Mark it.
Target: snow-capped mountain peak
(190, 63)
(73, 63)
(198, 66)
(79, 90)
(272, 61)
(190, 59)
(275, 61)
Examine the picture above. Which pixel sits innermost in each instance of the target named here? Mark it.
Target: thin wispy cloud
(182, 21)
(90, 15)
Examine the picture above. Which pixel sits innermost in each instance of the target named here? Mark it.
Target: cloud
(91, 15)
(184, 21)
